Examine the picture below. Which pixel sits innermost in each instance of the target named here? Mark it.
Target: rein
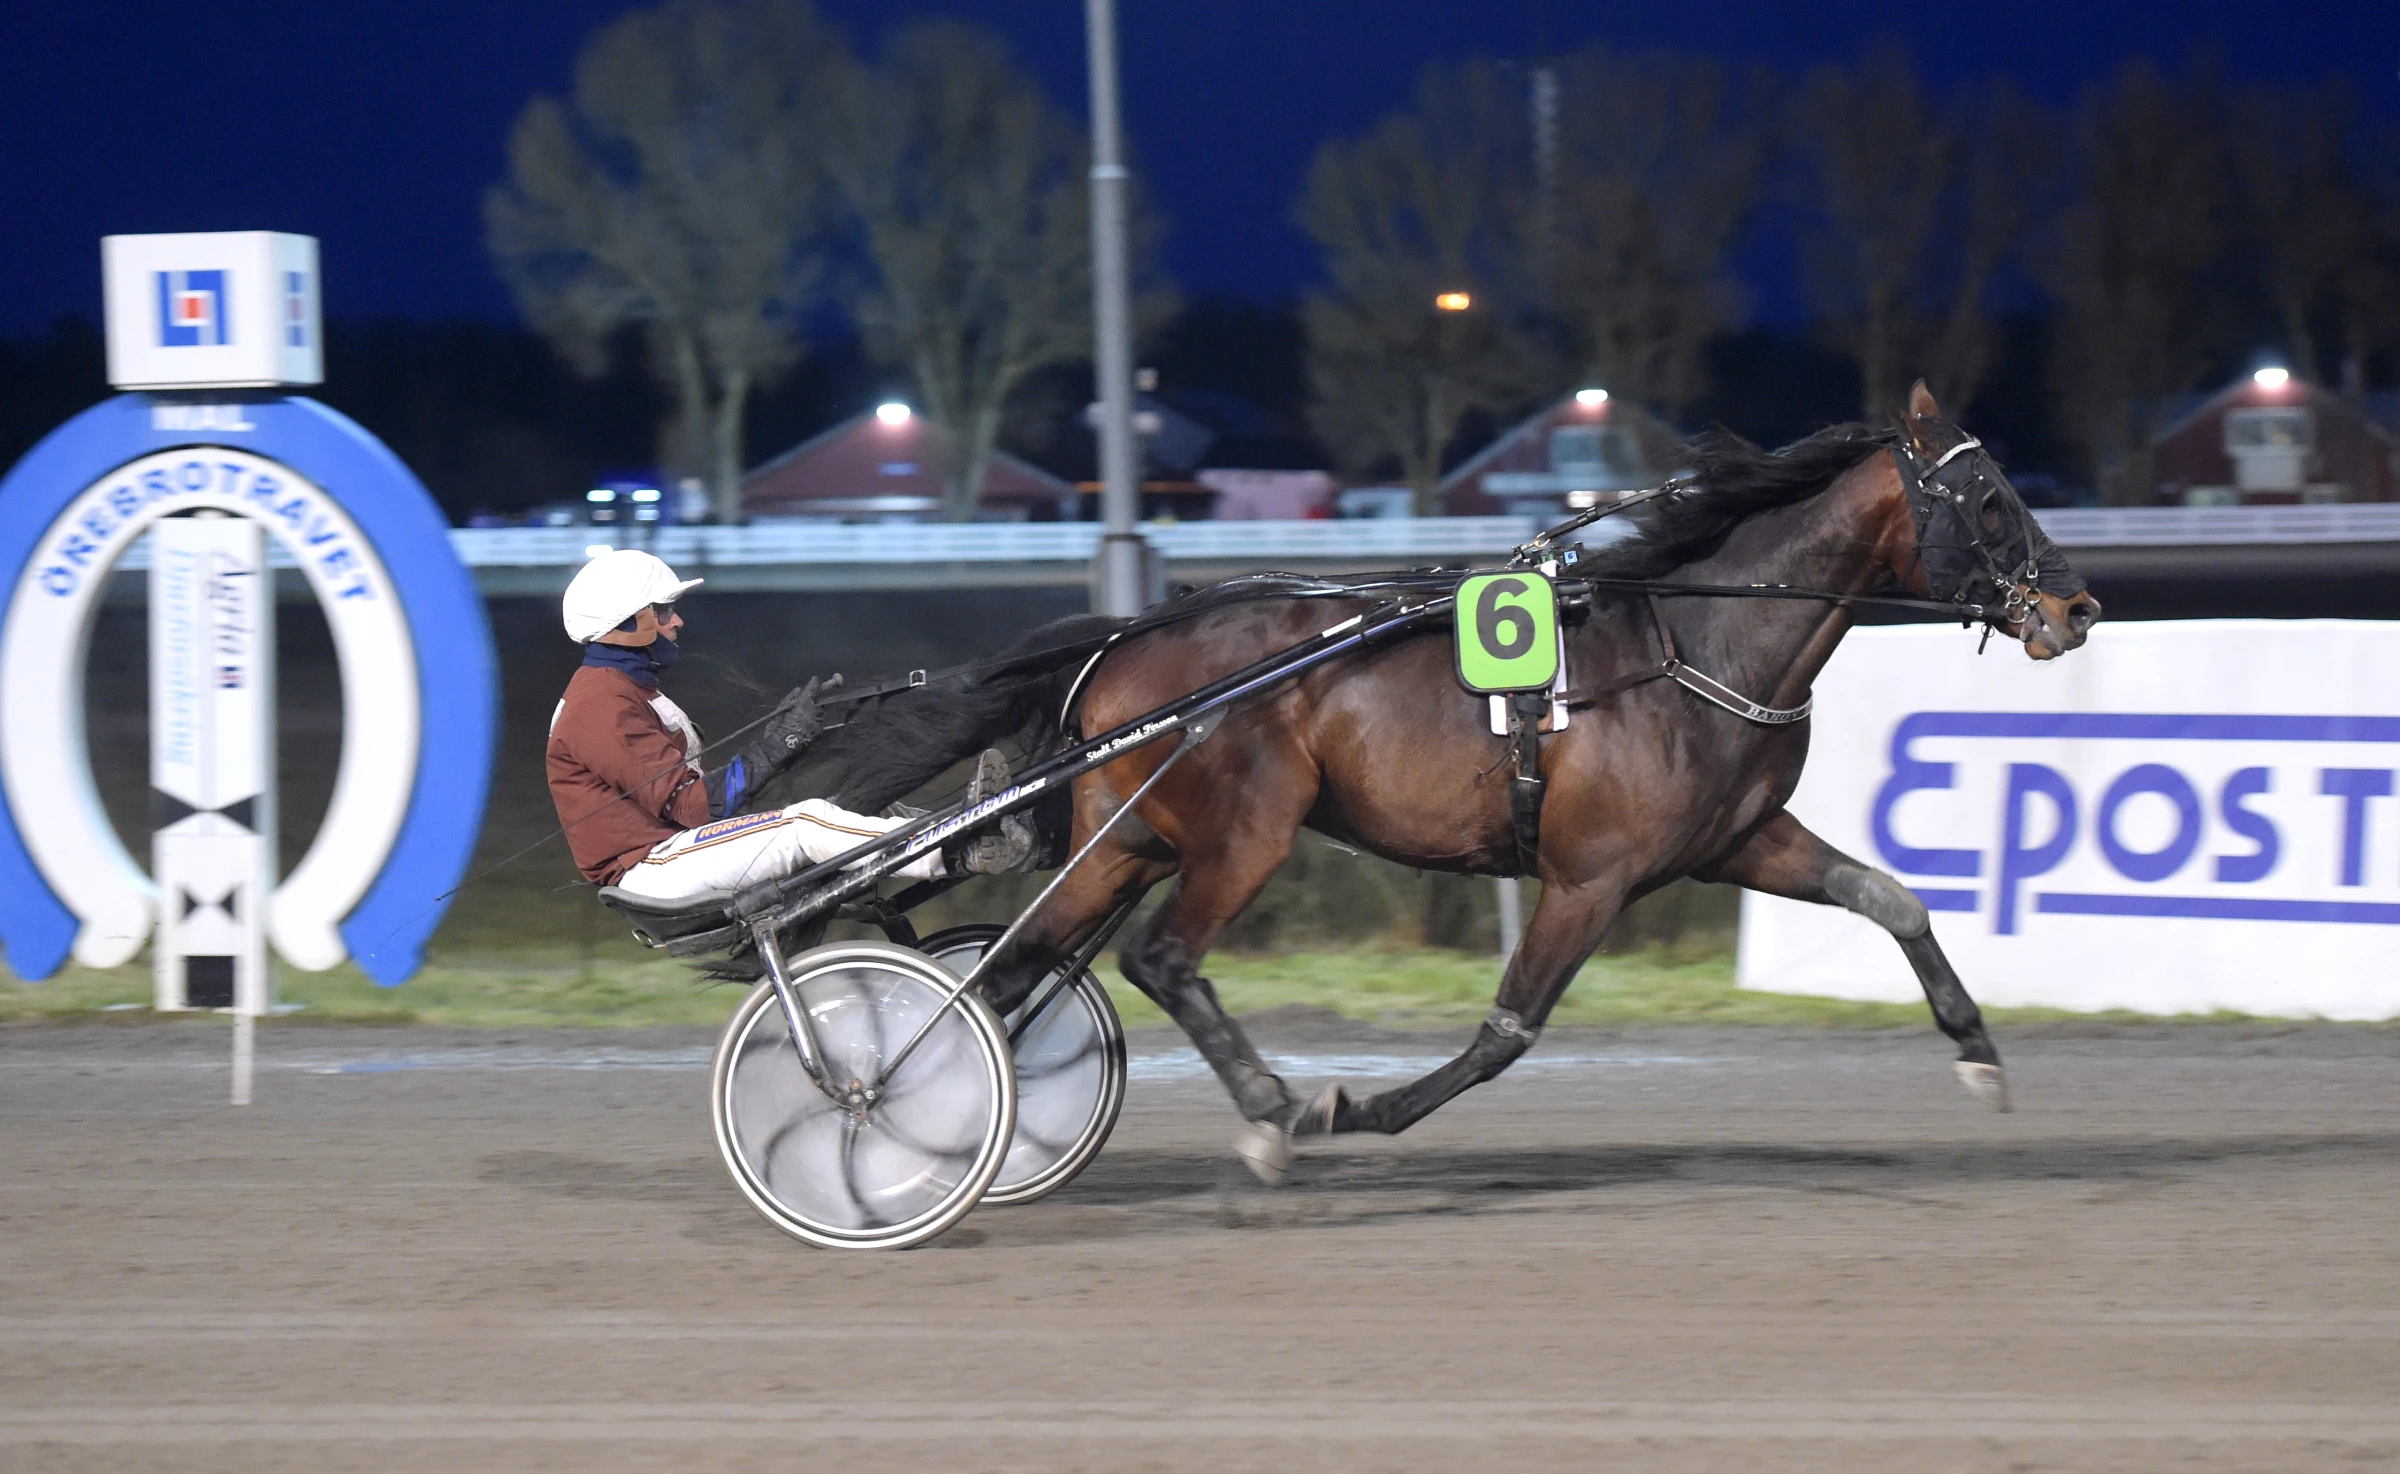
(1544, 548)
(1099, 645)
(1916, 477)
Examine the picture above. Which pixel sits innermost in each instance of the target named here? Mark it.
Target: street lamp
(2273, 376)
(1453, 302)
(1123, 572)
(1591, 398)
(892, 412)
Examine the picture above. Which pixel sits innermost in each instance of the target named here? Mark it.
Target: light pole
(1122, 553)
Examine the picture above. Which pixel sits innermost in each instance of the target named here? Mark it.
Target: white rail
(2160, 527)
(994, 542)
(1398, 540)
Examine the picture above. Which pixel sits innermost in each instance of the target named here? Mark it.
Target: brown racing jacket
(609, 741)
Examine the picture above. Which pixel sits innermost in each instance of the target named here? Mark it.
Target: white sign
(416, 746)
(2179, 817)
(212, 759)
(42, 763)
(221, 310)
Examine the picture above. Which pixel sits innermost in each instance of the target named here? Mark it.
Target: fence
(1066, 546)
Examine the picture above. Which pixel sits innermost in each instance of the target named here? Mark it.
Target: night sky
(376, 128)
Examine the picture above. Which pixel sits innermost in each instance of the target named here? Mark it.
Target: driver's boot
(1009, 847)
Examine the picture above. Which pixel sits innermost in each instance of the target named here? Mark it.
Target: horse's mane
(1726, 481)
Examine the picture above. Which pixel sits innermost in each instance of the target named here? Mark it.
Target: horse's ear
(1917, 421)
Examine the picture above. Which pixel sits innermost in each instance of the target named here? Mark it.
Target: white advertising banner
(2181, 817)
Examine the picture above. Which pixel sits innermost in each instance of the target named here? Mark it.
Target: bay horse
(1387, 752)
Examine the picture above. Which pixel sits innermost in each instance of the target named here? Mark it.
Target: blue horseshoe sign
(415, 763)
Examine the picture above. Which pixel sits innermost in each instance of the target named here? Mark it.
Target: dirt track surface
(1682, 1249)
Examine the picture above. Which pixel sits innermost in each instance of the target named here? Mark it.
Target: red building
(883, 467)
(2272, 438)
(1585, 447)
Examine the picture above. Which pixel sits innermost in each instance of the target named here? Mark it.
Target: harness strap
(1707, 687)
(1525, 789)
(1586, 695)
(1970, 443)
(1910, 490)
(1066, 708)
(1712, 690)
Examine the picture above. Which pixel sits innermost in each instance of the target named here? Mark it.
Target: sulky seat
(661, 923)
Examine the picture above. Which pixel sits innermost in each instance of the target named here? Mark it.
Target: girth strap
(1525, 712)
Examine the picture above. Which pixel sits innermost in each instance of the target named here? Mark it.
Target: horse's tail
(888, 747)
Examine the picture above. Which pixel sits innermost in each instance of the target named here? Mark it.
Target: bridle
(1978, 546)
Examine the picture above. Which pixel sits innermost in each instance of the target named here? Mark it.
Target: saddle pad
(1507, 632)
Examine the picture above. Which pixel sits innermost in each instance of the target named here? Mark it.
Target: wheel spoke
(915, 1160)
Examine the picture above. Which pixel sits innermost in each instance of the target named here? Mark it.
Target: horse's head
(1976, 544)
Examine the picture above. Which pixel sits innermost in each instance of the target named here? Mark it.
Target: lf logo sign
(191, 309)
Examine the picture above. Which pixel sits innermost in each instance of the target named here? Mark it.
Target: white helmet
(619, 585)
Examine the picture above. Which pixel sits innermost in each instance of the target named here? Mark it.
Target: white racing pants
(732, 853)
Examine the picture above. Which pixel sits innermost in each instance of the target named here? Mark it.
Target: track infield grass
(535, 986)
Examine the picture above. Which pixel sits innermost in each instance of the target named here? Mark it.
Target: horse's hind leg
(1109, 877)
(1782, 858)
(1164, 962)
(1566, 925)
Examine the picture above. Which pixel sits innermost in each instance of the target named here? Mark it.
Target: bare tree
(2011, 163)
(1913, 211)
(2370, 292)
(2134, 264)
(968, 185)
(1419, 208)
(1657, 174)
(1880, 166)
(678, 189)
(2310, 217)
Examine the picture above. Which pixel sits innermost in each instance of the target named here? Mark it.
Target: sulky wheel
(1070, 1072)
(898, 1169)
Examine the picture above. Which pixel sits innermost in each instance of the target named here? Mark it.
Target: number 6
(1506, 631)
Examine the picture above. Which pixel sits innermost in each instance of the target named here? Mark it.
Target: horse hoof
(1316, 1118)
(1985, 1082)
(1266, 1149)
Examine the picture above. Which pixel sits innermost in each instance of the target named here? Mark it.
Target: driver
(623, 759)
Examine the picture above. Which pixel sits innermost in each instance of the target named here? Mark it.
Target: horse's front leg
(1567, 924)
(1782, 858)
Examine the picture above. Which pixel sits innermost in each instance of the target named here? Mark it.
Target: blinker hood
(1975, 538)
